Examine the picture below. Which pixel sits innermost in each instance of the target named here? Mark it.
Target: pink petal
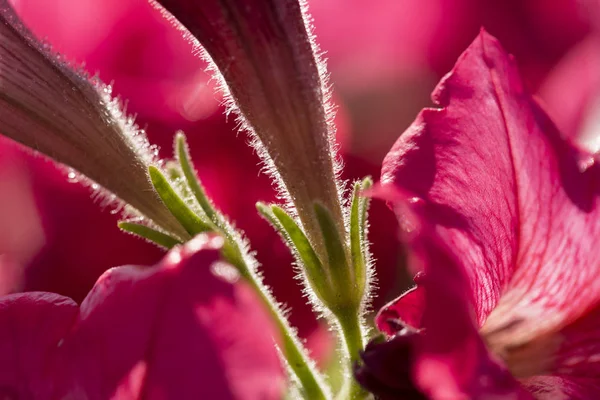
(408, 308)
(32, 326)
(173, 331)
(179, 330)
(563, 387)
(451, 360)
(576, 348)
(505, 194)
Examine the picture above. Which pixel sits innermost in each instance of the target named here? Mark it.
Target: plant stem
(299, 362)
(353, 339)
(294, 352)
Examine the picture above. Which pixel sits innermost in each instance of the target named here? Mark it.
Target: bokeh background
(385, 58)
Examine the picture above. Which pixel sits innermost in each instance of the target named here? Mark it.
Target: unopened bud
(272, 71)
(50, 107)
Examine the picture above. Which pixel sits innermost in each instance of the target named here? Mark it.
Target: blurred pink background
(385, 57)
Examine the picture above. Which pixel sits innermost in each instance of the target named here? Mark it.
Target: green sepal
(337, 260)
(367, 183)
(186, 217)
(358, 219)
(173, 171)
(267, 213)
(183, 156)
(301, 247)
(176, 178)
(159, 238)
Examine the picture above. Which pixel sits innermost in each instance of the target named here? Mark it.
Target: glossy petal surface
(450, 359)
(31, 327)
(179, 330)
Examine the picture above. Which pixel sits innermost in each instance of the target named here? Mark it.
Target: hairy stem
(299, 362)
(352, 332)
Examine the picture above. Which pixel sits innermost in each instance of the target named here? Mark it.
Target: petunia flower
(501, 214)
(183, 329)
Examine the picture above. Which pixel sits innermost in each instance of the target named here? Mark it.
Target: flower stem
(352, 333)
(311, 382)
(295, 354)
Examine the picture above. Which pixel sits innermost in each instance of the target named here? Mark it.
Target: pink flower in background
(180, 329)
(571, 92)
(21, 236)
(386, 58)
(501, 214)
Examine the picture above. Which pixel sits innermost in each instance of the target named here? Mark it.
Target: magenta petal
(576, 348)
(563, 387)
(173, 331)
(407, 308)
(31, 328)
(451, 360)
(505, 194)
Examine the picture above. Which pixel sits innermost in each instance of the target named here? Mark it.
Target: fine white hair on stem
(328, 105)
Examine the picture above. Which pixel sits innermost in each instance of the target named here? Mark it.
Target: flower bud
(276, 83)
(62, 113)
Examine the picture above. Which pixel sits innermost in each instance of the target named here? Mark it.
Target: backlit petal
(173, 331)
(508, 196)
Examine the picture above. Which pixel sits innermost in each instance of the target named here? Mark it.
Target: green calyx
(317, 276)
(359, 244)
(155, 236)
(180, 189)
(340, 281)
(189, 219)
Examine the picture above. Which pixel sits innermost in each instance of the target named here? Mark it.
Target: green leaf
(186, 217)
(192, 179)
(153, 235)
